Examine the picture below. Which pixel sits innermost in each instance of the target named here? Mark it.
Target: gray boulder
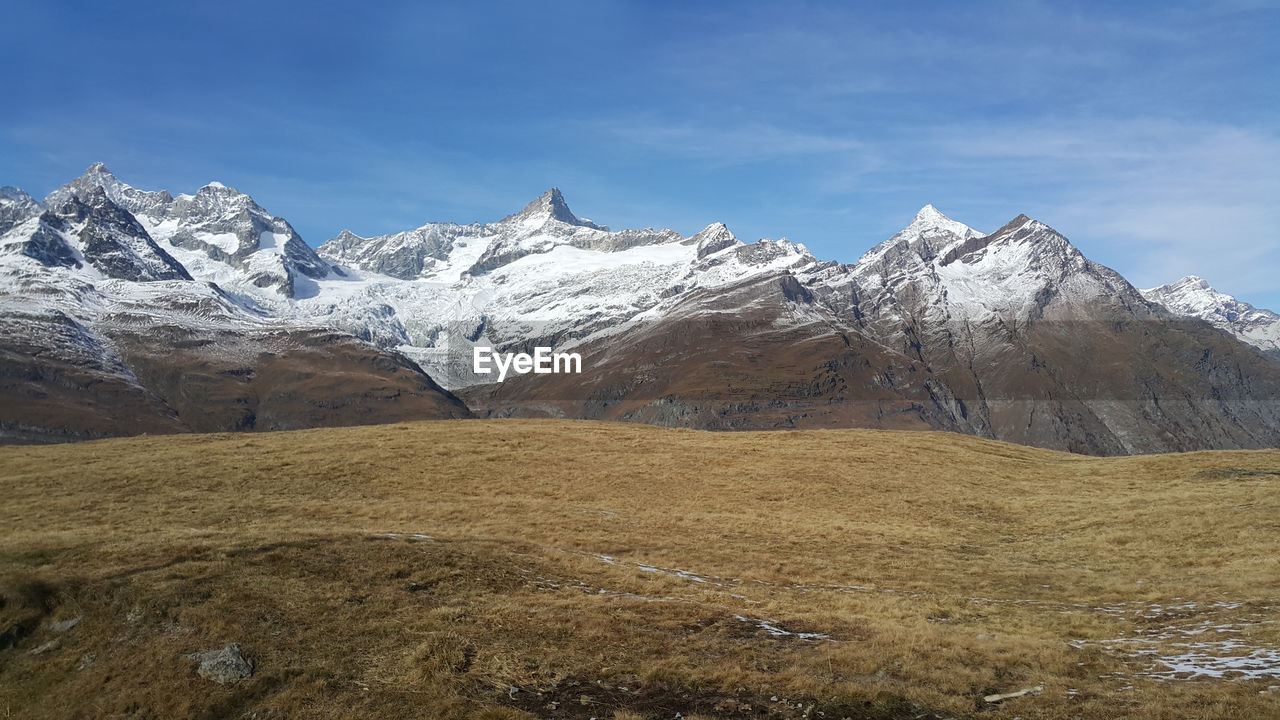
(223, 666)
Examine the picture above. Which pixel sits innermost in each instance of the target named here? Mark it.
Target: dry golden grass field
(520, 569)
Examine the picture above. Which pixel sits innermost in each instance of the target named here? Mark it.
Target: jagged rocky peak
(15, 196)
(113, 241)
(346, 238)
(929, 235)
(712, 239)
(767, 251)
(16, 207)
(96, 203)
(551, 206)
(1023, 229)
(220, 223)
(405, 255)
(1020, 246)
(99, 176)
(216, 189)
(1193, 295)
(215, 198)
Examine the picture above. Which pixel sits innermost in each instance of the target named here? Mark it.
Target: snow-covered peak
(10, 194)
(712, 239)
(929, 235)
(1022, 245)
(98, 176)
(16, 207)
(550, 206)
(447, 252)
(1024, 223)
(211, 202)
(1016, 271)
(14, 201)
(929, 222)
(1193, 297)
(219, 234)
(1191, 286)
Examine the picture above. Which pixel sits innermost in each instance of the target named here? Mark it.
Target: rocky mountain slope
(939, 327)
(1013, 335)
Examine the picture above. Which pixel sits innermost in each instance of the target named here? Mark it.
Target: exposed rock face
(46, 245)
(1013, 335)
(114, 243)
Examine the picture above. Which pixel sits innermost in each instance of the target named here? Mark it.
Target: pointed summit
(217, 189)
(99, 176)
(930, 235)
(96, 176)
(98, 169)
(712, 239)
(551, 206)
(931, 222)
(930, 213)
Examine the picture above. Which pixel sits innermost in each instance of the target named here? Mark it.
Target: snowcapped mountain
(104, 330)
(1013, 334)
(219, 233)
(939, 326)
(539, 276)
(1193, 297)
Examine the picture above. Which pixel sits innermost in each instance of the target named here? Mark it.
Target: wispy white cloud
(1159, 199)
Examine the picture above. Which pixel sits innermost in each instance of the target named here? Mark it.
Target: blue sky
(1148, 133)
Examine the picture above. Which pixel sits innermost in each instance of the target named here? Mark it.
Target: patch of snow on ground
(772, 628)
(1220, 659)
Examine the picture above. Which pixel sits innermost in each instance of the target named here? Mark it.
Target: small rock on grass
(226, 665)
(64, 625)
(47, 647)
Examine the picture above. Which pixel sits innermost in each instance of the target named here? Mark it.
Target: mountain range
(129, 311)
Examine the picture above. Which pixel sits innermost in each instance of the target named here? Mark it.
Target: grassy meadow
(556, 569)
